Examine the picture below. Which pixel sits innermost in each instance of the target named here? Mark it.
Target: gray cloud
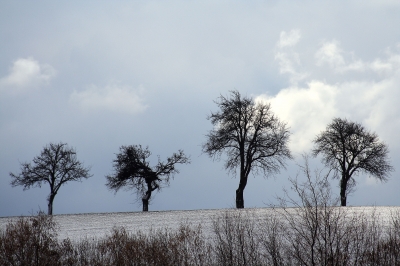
(111, 97)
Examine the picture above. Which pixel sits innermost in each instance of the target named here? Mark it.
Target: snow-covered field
(97, 225)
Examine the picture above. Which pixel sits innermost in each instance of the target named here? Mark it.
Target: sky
(101, 74)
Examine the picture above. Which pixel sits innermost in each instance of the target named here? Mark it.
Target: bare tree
(253, 138)
(132, 170)
(56, 165)
(348, 148)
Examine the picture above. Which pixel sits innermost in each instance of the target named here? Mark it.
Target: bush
(185, 246)
(235, 239)
(30, 241)
(318, 232)
(291, 236)
(33, 241)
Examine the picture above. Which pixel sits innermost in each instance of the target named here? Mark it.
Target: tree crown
(249, 133)
(132, 170)
(56, 165)
(348, 148)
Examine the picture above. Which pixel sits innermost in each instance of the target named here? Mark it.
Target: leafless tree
(348, 148)
(56, 165)
(132, 171)
(253, 138)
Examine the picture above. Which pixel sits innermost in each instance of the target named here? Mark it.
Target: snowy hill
(96, 225)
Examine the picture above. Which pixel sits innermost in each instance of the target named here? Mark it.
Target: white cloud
(340, 61)
(290, 38)
(389, 65)
(309, 108)
(380, 66)
(331, 54)
(27, 73)
(112, 97)
(288, 60)
(306, 111)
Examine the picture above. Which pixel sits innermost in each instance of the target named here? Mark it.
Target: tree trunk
(145, 204)
(343, 186)
(145, 200)
(239, 198)
(50, 204)
(239, 193)
(240, 190)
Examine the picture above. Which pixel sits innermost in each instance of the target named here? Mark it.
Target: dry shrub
(33, 241)
(318, 232)
(30, 241)
(185, 246)
(307, 235)
(310, 234)
(235, 239)
(314, 232)
(271, 241)
(383, 247)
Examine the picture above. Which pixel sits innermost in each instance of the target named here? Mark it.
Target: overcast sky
(98, 75)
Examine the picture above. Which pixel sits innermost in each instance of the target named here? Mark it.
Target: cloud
(341, 62)
(389, 65)
(27, 73)
(289, 60)
(112, 97)
(309, 108)
(330, 53)
(306, 110)
(290, 38)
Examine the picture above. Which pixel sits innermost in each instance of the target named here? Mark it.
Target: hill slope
(97, 225)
